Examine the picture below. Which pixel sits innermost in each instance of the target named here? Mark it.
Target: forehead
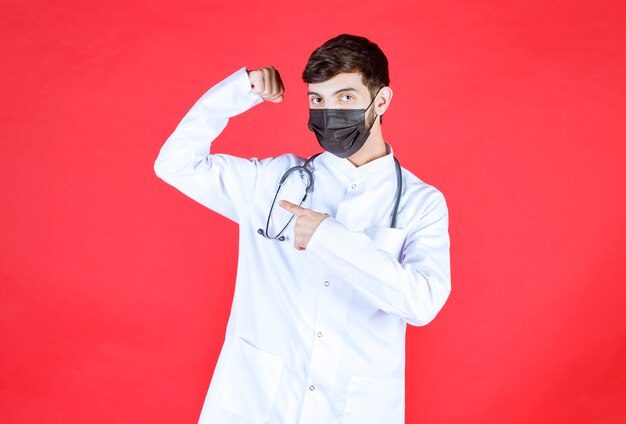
(339, 82)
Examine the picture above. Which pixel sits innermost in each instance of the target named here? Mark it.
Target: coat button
(327, 283)
(319, 334)
(311, 387)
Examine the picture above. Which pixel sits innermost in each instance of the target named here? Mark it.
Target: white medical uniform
(314, 336)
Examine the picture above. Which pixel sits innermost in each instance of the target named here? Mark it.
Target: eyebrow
(342, 90)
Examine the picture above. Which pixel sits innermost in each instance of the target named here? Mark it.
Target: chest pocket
(390, 240)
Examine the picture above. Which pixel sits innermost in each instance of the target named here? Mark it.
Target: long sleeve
(415, 287)
(220, 182)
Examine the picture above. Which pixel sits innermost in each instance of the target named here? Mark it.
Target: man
(317, 328)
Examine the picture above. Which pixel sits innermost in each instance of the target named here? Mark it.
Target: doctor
(333, 263)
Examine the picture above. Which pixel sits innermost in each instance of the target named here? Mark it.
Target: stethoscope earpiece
(279, 238)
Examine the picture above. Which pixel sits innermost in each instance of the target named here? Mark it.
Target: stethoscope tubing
(309, 189)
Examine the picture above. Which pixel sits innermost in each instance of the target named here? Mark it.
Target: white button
(311, 387)
(327, 283)
(353, 186)
(319, 334)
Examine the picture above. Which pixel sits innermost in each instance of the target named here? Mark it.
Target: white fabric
(315, 336)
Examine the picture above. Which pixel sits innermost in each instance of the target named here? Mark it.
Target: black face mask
(341, 132)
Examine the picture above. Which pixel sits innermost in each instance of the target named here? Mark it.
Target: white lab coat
(314, 336)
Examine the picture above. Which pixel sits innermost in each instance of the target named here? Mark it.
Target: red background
(110, 307)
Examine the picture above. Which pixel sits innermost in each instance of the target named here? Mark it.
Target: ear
(383, 99)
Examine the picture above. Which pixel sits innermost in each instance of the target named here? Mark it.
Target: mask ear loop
(370, 105)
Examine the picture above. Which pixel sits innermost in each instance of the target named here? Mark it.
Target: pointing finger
(290, 207)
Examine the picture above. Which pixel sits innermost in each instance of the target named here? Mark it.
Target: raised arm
(222, 183)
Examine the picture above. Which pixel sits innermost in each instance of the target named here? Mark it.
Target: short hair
(348, 53)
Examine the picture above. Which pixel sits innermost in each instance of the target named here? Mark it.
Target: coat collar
(384, 164)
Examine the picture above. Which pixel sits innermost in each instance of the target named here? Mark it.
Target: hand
(266, 83)
(307, 222)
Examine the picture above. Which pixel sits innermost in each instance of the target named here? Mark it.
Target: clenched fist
(266, 83)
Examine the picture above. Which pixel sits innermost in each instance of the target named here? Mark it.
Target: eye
(345, 98)
(315, 100)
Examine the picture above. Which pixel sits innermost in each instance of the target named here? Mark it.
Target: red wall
(113, 301)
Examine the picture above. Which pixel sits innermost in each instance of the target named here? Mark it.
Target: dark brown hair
(348, 53)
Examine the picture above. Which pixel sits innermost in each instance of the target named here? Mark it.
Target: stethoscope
(309, 188)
